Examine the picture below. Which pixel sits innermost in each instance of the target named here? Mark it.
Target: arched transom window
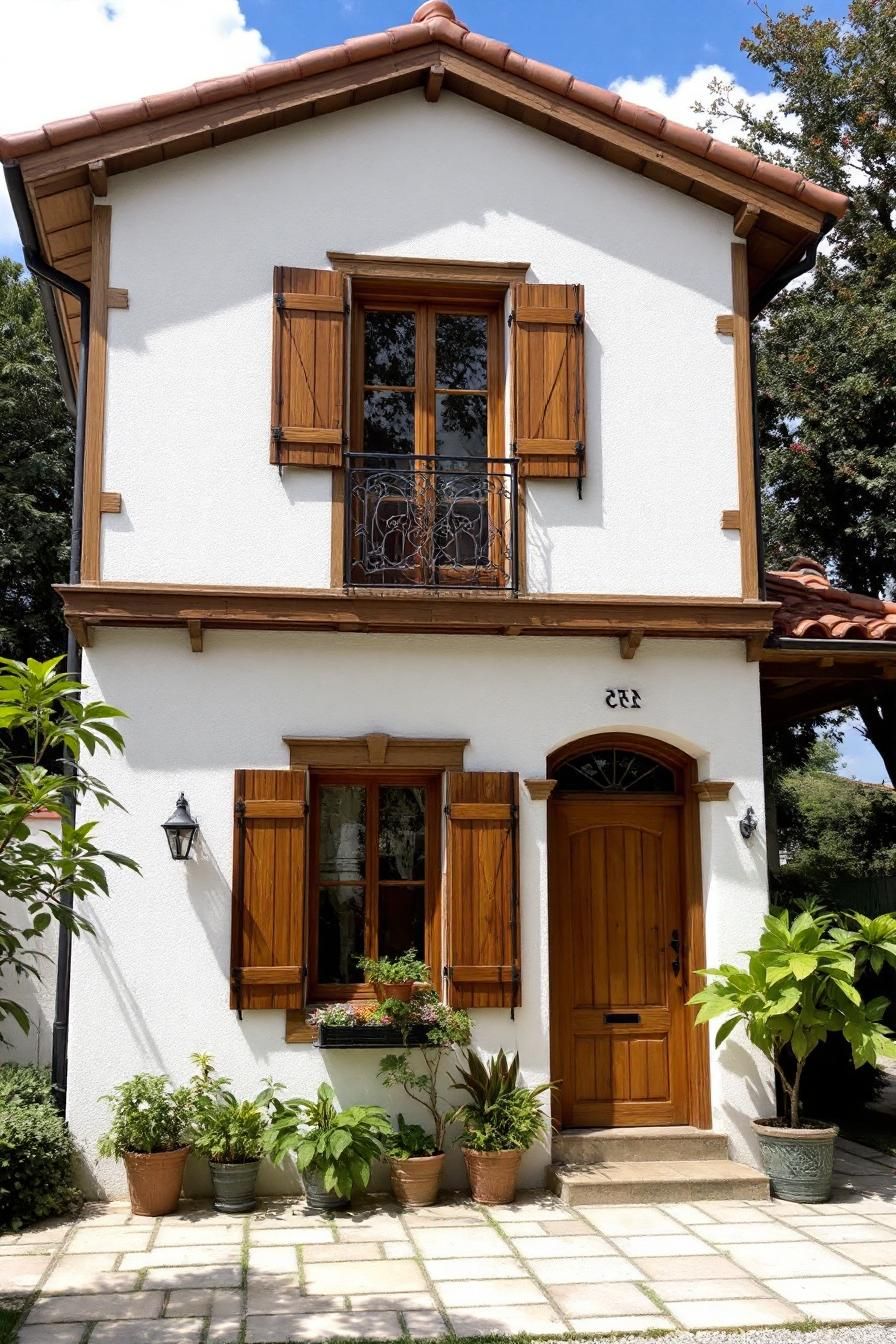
(614, 770)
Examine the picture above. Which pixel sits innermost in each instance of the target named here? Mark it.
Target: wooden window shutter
(267, 960)
(548, 340)
(308, 392)
(483, 960)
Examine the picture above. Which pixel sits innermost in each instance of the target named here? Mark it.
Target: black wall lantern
(748, 824)
(180, 830)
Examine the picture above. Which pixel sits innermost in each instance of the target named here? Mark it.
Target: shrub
(26, 1084)
(337, 1145)
(223, 1128)
(36, 1151)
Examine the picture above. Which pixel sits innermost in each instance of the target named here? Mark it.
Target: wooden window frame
(368, 292)
(432, 781)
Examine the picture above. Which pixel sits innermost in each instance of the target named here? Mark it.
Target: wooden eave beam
(411, 612)
(463, 74)
(744, 220)
(630, 642)
(98, 177)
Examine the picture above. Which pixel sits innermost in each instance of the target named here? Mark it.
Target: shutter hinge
(447, 972)
(279, 302)
(345, 440)
(580, 460)
(237, 978)
(346, 308)
(277, 434)
(578, 318)
(239, 809)
(303, 972)
(510, 318)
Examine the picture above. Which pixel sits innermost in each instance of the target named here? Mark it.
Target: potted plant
(148, 1133)
(500, 1121)
(395, 977)
(332, 1149)
(230, 1134)
(369, 1026)
(797, 989)
(415, 1162)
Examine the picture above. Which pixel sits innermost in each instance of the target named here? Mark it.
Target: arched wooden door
(618, 919)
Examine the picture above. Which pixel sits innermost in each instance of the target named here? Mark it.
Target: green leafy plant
(446, 1028)
(502, 1113)
(148, 1116)
(36, 1151)
(41, 714)
(409, 1141)
(337, 1145)
(800, 987)
(221, 1127)
(405, 969)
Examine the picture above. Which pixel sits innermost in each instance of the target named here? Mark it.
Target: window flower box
(369, 1036)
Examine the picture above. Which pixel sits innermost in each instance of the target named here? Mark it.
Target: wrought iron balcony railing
(430, 522)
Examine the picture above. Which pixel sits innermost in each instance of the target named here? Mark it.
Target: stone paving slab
(536, 1267)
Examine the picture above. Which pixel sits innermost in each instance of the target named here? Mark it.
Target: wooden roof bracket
(435, 78)
(194, 630)
(629, 643)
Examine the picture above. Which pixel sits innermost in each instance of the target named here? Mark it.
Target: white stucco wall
(189, 375)
(153, 985)
(36, 994)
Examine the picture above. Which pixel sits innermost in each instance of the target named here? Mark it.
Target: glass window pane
(615, 771)
(343, 824)
(402, 834)
(388, 422)
(461, 350)
(390, 348)
(340, 935)
(461, 426)
(402, 923)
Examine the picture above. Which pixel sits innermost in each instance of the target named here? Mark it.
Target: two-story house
(417, 536)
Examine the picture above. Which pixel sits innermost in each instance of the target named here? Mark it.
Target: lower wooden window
(374, 875)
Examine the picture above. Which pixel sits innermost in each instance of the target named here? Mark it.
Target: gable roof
(64, 164)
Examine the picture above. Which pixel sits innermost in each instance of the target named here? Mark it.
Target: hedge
(36, 1150)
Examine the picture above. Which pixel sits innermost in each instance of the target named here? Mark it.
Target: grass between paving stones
(9, 1323)
(733, 1334)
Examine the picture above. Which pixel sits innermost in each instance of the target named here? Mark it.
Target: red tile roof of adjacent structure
(433, 21)
(812, 609)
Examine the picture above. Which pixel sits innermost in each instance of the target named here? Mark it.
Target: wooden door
(617, 991)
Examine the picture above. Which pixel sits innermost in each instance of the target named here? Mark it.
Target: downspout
(764, 295)
(49, 276)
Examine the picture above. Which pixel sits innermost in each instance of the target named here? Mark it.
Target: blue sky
(597, 39)
(96, 52)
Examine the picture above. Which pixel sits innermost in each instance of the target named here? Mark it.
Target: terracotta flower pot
(798, 1162)
(493, 1176)
(154, 1181)
(415, 1180)
(402, 992)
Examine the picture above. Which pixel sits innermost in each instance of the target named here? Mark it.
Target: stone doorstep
(660, 1143)
(656, 1182)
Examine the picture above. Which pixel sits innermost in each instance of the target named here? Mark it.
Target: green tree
(826, 349)
(830, 827)
(36, 445)
(41, 706)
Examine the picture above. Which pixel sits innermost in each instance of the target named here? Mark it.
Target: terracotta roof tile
(434, 20)
(811, 608)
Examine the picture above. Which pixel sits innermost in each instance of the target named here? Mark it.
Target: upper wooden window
(374, 875)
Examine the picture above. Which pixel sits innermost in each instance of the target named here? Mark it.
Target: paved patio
(536, 1267)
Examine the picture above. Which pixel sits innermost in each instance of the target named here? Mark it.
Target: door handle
(675, 945)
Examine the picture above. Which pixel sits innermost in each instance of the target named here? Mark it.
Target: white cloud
(677, 101)
(59, 58)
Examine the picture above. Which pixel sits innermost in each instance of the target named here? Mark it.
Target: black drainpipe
(49, 275)
(764, 295)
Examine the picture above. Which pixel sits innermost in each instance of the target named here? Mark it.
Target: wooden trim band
(311, 303)
(110, 501)
(730, 520)
(483, 975)
(376, 749)
(479, 812)
(743, 409)
(713, 790)
(270, 975)
(95, 408)
(409, 612)
(547, 317)
(273, 809)
(725, 324)
(545, 447)
(363, 265)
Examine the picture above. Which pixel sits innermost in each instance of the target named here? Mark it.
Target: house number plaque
(622, 697)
